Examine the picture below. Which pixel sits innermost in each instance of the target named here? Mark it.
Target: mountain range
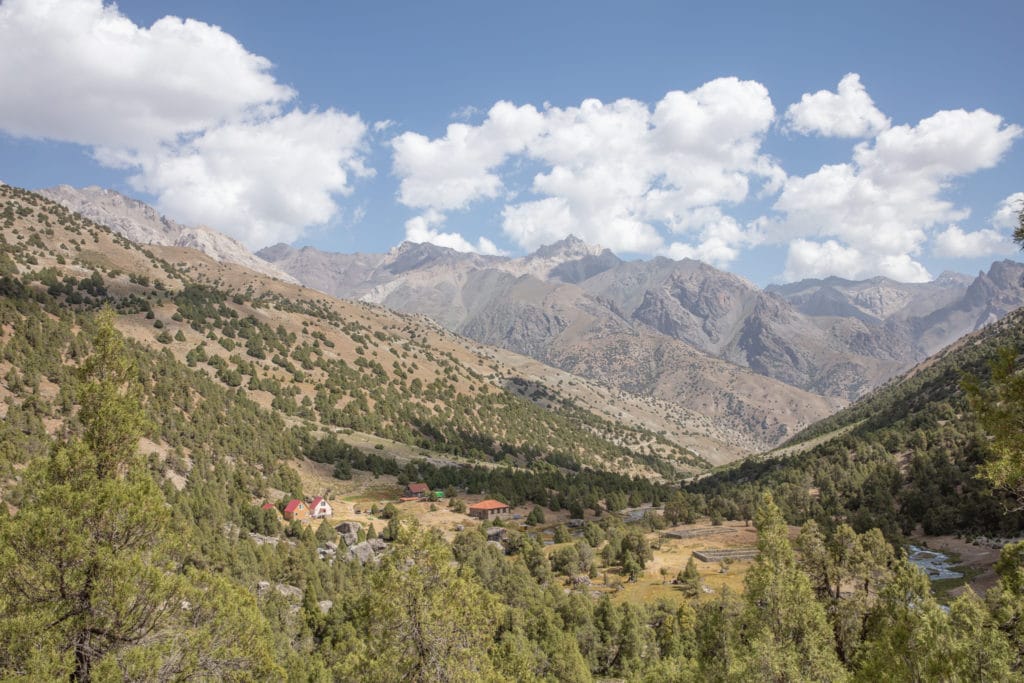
(640, 325)
(759, 364)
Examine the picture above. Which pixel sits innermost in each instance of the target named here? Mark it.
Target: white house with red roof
(319, 508)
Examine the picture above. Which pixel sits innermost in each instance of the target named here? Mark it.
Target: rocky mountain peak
(572, 247)
(143, 224)
(951, 277)
(415, 255)
(407, 247)
(1005, 273)
(276, 252)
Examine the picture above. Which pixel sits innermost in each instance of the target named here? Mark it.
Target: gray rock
(497, 533)
(349, 532)
(260, 539)
(290, 592)
(364, 552)
(325, 606)
(143, 224)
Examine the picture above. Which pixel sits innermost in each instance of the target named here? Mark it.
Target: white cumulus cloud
(79, 71)
(955, 243)
(993, 241)
(424, 229)
(623, 174)
(1007, 215)
(198, 118)
(450, 172)
(848, 113)
(261, 181)
(720, 240)
(811, 259)
(874, 214)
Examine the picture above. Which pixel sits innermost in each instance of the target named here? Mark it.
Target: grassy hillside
(313, 364)
(905, 455)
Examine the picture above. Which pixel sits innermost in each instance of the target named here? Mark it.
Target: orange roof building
(296, 509)
(488, 509)
(417, 490)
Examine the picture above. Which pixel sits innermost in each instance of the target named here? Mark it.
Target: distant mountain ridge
(758, 363)
(553, 306)
(564, 303)
(143, 224)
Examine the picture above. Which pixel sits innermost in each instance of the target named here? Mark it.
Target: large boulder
(290, 592)
(364, 552)
(349, 532)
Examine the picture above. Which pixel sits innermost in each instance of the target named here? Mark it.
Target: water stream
(933, 563)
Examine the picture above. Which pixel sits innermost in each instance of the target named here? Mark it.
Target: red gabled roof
(293, 505)
(316, 501)
(488, 505)
(419, 487)
(267, 506)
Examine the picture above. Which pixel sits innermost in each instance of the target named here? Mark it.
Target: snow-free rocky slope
(572, 305)
(143, 224)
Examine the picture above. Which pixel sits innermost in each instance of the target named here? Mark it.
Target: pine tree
(90, 567)
(1000, 410)
(424, 619)
(325, 533)
(689, 579)
(786, 635)
(536, 516)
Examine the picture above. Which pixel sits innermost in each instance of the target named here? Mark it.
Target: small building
(271, 506)
(320, 508)
(296, 510)
(417, 490)
(488, 509)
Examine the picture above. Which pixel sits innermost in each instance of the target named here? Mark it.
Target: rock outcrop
(349, 532)
(143, 224)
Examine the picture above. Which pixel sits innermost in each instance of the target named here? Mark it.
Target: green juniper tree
(91, 573)
(784, 631)
(1000, 409)
(689, 579)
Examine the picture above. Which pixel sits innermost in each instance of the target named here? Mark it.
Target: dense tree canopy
(91, 568)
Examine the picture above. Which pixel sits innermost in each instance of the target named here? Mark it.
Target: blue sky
(653, 128)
